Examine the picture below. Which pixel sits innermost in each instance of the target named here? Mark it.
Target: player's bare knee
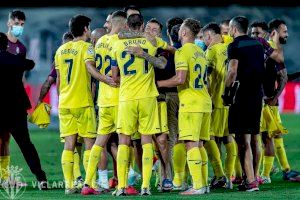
(162, 140)
(89, 142)
(70, 142)
(228, 139)
(102, 140)
(146, 139)
(191, 144)
(124, 139)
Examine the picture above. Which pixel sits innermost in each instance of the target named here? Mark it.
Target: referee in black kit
(244, 79)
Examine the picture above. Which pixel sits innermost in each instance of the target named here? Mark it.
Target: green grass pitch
(49, 148)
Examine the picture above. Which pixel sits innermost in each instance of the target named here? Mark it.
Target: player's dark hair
(275, 23)
(77, 24)
(263, 25)
(3, 41)
(225, 22)
(17, 14)
(174, 33)
(135, 21)
(193, 25)
(132, 7)
(172, 22)
(68, 36)
(154, 20)
(119, 13)
(241, 23)
(212, 27)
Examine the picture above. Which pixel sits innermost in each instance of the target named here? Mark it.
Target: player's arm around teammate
(154, 29)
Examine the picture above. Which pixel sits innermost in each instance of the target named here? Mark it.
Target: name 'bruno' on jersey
(107, 95)
(193, 94)
(137, 75)
(70, 60)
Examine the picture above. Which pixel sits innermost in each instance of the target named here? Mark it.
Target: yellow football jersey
(107, 95)
(227, 39)
(272, 44)
(216, 56)
(137, 75)
(193, 94)
(75, 81)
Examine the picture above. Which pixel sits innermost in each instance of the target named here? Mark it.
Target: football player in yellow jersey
(51, 79)
(138, 110)
(195, 103)
(154, 29)
(102, 181)
(75, 63)
(108, 97)
(216, 55)
(224, 26)
(107, 25)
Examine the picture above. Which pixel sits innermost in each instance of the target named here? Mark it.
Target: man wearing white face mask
(16, 21)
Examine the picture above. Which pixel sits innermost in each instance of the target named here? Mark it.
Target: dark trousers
(19, 130)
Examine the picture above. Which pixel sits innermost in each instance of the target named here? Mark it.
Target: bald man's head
(96, 34)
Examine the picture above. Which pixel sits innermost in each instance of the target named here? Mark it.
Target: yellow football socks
(230, 159)
(214, 158)
(267, 165)
(67, 162)
(94, 158)
(76, 166)
(122, 165)
(179, 163)
(86, 157)
(147, 164)
(4, 165)
(281, 154)
(204, 168)
(194, 163)
(132, 157)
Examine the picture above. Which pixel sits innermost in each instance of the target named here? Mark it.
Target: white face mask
(201, 44)
(17, 31)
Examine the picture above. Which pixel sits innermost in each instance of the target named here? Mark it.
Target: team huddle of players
(158, 100)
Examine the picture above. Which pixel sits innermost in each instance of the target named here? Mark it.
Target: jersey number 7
(70, 66)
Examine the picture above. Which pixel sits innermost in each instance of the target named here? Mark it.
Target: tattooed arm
(45, 88)
(159, 62)
(281, 82)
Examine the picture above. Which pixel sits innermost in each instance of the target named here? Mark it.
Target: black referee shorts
(244, 118)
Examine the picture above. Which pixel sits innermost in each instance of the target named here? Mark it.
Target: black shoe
(290, 174)
(218, 182)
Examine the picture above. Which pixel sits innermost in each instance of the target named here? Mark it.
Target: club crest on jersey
(90, 51)
(17, 50)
